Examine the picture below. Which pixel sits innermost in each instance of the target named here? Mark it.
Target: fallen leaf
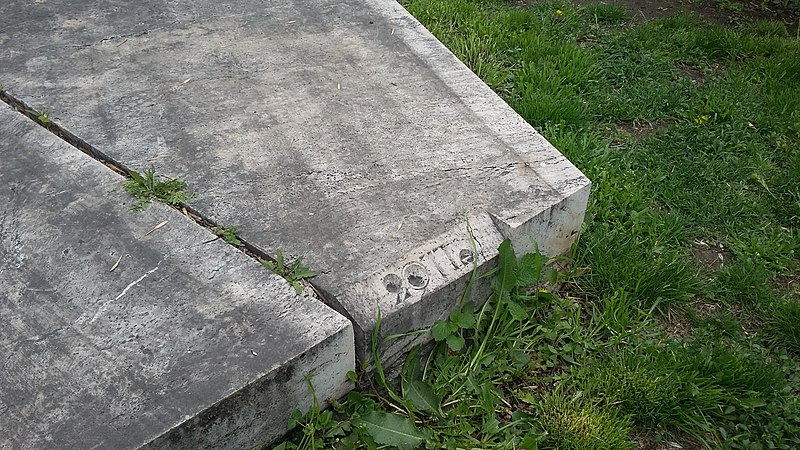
(116, 264)
(161, 225)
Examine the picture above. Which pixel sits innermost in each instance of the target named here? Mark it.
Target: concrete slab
(339, 130)
(187, 344)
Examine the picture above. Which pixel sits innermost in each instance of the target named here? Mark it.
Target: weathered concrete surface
(340, 130)
(188, 343)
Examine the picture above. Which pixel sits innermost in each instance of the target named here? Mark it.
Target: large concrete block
(187, 343)
(340, 130)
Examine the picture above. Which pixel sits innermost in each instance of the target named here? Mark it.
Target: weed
(42, 116)
(295, 273)
(149, 186)
(456, 398)
(228, 234)
(316, 425)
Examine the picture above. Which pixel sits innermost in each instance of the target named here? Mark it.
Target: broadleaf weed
(295, 272)
(149, 186)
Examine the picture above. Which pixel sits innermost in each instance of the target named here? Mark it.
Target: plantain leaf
(412, 370)
(391, 429)
(520, 358)
(424, 399)
(518, 313)
(462, 319)
(530, 270)
(506, 278)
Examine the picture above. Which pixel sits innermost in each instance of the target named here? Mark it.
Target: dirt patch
(786, 284)
(649, 440)
(644, 129)
(679, 323)
(690, 72)
(711, 255)
(705, 310)
(729, 12)
(676, 324)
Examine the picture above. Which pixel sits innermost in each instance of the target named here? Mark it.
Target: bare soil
(641, 130)
(721, 12)
(787, 284)
(712, 255)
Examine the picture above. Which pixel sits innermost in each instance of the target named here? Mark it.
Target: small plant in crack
(148, 186)
(294, 273)
(228, 234)
(42, 116)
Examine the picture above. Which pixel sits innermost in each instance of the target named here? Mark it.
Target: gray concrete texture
(187, 343)
(341, 131)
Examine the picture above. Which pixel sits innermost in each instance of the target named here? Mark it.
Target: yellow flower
(699, 120)
(559, 13)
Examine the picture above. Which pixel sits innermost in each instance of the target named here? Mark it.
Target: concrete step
(187, 343)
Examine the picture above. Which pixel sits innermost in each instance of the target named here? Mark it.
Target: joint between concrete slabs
(64, 134)
(117, 167)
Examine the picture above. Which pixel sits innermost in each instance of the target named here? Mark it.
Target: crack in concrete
(124, 36)
(215, 271)
(105, 305)
(41, 338)
(64, 134)
(102, 41)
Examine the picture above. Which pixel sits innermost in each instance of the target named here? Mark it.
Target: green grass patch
(780, 323)
(574, 425)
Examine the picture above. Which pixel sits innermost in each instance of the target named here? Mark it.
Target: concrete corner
(186, 343)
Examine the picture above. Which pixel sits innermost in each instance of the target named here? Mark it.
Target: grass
(690, 133)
